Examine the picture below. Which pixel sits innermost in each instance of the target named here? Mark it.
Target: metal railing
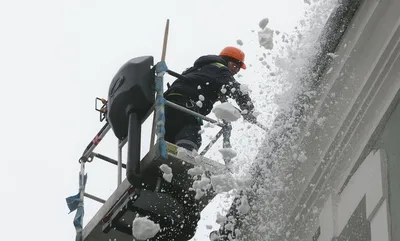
(89, 154)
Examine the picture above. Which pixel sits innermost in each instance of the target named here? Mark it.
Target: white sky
(57, 56)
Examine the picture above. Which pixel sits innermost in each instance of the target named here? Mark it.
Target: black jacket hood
(208, 59)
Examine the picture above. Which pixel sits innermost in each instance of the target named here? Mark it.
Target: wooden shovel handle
(164, 50)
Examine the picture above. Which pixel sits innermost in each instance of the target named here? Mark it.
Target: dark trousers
(182, 129)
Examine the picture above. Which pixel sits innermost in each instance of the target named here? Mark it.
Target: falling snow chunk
(321, 121)
(263, 23)
(226, 111)
(208, 125)
(223, 90)
(185, 154)
(201, 97)
(302, 158)
(220, 218)
(195, 171)
(240, 42)
(229, 226)
(228, 153)
(244, 205)
(200, 186)
(167, 172)
(199, 104)
(197, 158)
(222, 183)
(166, 169)
(266, 38)
(199, 87)
(143, 228)
(168, 177)
(332, 55)
(199, 194)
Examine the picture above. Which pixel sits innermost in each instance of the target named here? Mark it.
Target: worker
(210, 79)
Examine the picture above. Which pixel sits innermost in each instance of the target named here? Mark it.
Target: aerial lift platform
(156, 198)
(135, 92)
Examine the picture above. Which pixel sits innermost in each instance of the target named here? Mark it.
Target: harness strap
(219, 65)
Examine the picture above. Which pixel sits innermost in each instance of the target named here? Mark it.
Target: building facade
(366, 206)
(352, 172)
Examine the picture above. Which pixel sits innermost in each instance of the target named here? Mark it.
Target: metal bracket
(102, 109)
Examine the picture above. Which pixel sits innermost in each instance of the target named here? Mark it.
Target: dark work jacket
(211, 78)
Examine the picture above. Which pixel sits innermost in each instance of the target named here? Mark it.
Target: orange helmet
(235, 53)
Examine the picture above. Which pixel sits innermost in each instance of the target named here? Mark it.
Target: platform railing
(89, 154)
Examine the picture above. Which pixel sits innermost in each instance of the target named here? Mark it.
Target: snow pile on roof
(226, 111)
(167, 172)
(143, 228)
